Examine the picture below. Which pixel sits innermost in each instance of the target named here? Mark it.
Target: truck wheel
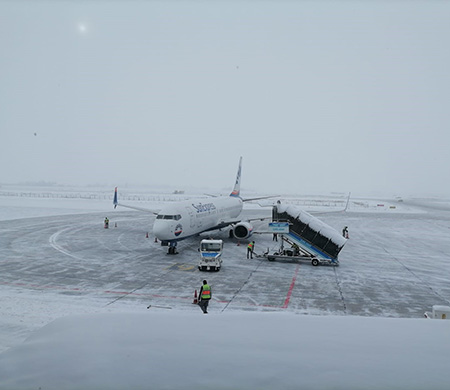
(217, 269)
(315, 262)
(270, 258)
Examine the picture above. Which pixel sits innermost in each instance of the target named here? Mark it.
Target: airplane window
(176, 217)
(211, 247)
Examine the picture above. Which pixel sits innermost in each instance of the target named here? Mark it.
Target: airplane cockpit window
(175, 217)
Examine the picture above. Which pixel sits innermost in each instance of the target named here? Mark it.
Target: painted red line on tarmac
(38, 286)
(144, 295)
(288, 296)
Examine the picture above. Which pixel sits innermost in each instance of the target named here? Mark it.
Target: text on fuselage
(204, 208)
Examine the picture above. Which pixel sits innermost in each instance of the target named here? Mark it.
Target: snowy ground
(235, 350)
(56, 261)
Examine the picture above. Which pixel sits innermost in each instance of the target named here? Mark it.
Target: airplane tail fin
(237, 186)
(115, 202)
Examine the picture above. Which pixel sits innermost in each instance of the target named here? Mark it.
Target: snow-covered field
(74, 301)
(236, 350)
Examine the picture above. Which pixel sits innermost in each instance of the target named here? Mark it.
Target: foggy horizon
(318, 97)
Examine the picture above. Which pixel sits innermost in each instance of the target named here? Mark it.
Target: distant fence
(326, 203)
(94, 196)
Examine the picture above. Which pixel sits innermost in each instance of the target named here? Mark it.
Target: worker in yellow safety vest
(250, 248)
(295, 249)
(204, 297)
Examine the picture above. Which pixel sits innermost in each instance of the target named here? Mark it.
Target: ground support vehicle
(310, 239)
(210, 255)
(298, 253)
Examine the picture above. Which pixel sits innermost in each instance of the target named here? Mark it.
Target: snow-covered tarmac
(396, 264)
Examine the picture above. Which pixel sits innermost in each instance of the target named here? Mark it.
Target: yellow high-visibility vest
(206, 291)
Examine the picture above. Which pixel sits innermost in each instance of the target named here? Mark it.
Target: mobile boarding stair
(310, 238)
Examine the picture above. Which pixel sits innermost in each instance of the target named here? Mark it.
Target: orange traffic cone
(115, 225)
(195, 298)
(156, 240)
(238, 243)
(146, 236)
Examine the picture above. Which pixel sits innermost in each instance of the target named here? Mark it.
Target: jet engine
(243, 230)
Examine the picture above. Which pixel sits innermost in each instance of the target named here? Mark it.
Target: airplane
(188, 218)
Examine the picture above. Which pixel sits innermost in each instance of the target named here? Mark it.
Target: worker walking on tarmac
(106, 223)
(250, 249)
(345, 232)
(204, 297)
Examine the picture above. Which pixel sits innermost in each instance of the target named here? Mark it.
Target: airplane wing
(310, 211)
(257, 219)
(248, 199)
(326, 212)
(116, 203)
(261, 197)
(223, 225)
(333, 211)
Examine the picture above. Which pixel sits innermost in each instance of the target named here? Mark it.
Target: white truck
(439, 312)
(210, 255)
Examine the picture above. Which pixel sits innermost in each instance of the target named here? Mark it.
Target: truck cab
(210, 255)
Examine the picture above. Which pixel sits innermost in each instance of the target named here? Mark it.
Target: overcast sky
(316, 96)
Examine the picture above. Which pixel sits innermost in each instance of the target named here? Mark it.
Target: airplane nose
(160, 230)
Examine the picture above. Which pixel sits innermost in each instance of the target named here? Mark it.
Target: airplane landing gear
(172, 250)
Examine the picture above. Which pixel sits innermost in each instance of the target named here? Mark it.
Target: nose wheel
(172, 250)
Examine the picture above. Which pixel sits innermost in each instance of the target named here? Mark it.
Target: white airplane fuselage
(191, 217)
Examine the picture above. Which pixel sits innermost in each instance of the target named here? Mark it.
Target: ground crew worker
(250, 248)
(106, 222)
(345, 232)
(296, 249)
(204, 297)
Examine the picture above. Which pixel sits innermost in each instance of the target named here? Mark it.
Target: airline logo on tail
(237, 185)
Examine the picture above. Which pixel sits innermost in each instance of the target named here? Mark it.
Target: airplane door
(191, 217)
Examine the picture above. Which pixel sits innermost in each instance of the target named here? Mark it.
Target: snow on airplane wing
(248, 199)
(333, 211)
(261, 197)
(309, 211)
